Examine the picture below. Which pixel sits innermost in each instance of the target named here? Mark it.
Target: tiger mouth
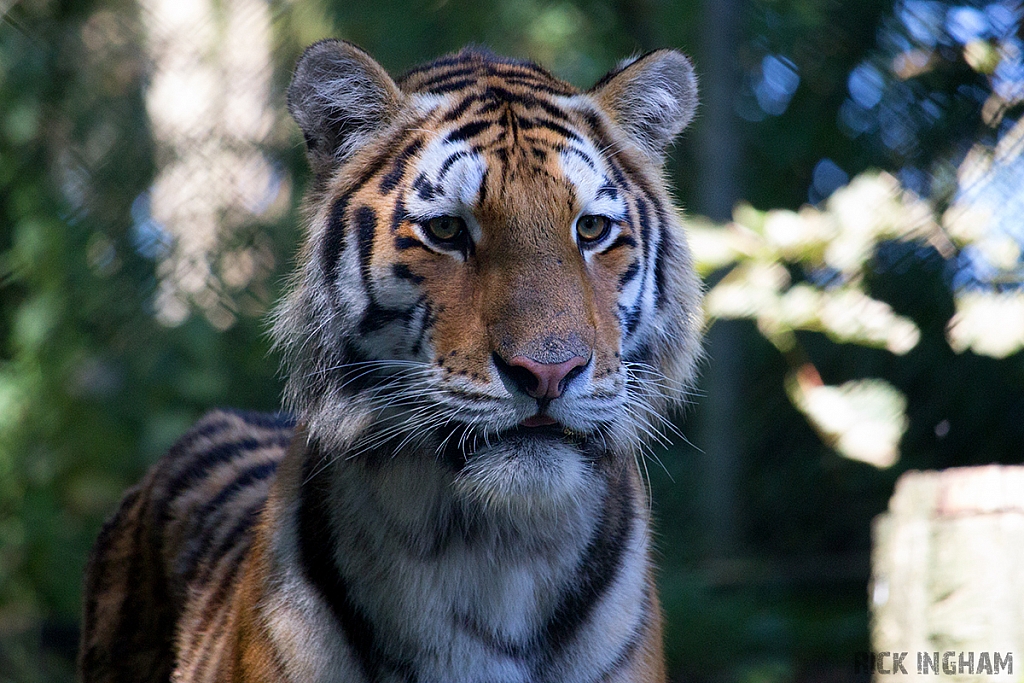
(459, 452)
(548, 429)
(553, 430)
(538, 420)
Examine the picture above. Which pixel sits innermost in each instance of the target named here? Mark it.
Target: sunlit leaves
(862, 419)
(805, 271)
(988, 323)
(831, 249)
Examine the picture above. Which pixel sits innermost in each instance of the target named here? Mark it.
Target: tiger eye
(593, 228)
(445, 228)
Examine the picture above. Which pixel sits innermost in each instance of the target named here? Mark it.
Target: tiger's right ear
(653, 98)
(340, 97)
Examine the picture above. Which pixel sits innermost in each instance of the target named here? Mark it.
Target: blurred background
(854, 188)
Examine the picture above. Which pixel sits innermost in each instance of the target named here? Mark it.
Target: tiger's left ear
(341, 98)
(653, 98)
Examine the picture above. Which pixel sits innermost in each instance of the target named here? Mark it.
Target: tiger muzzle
(541, 331)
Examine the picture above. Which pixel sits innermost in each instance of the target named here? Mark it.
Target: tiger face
(492, 253)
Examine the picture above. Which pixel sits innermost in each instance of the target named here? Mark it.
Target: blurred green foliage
(96, 381)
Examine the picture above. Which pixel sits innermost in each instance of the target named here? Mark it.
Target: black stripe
(645, 227)
(510, 67)
(403, 243)
(452, 86)
(398, 216)
(641, 354)
(506, 169)
(630, 318)
(447, 165)
(98, 574)
(238, 536)
(506, 96)
(353, 377)
(534, 170)
(597, 130)
(424, 188)
(401, 271)
(499, 137)
(334, 239)
(536, 84)
(426, 324)
(628, 275)
(596, 571)
(460, 108)
(377, 317)
(135, 613)
(620, 178)
(665, 248)
(529, 124)
(492, 105)
(317, 541)
(483, 188)
(366, 228)
(247, 477)
(278, 420)
(202, 462)
(599, 134)
(593, 121)
(551, 109)
(479, 58)
(468, 130)
(436, 64)
(527, 99)
(207, 427)
(211, 516)
(391, 179)
(511, 125)
(447, 75)
(644, 218)
(580, 153)
(608, 191)
(232, 557)
(336, 232)
(623, 240)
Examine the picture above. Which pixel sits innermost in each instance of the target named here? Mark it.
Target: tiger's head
(492, 253)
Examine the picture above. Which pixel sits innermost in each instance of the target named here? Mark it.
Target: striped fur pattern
(495, 309)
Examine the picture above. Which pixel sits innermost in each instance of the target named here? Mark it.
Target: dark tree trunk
(719, 151)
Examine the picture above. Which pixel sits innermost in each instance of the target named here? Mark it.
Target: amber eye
(593, 228)
(446, 228)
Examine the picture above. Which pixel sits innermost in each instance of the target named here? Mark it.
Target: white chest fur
(501, 572)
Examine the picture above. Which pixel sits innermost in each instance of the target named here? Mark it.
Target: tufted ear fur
(653, 98)
(340, 97)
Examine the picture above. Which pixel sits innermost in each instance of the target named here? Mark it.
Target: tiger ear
(653, 98)
(340, 97)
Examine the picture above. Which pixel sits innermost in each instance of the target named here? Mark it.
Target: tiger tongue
(538, 421)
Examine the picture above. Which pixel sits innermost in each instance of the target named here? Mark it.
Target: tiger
(494, 311)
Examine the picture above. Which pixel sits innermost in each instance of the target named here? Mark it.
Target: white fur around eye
(614, 208)
(583, 166)
(454, 173)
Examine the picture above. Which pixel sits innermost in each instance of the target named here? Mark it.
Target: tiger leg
(128, 621)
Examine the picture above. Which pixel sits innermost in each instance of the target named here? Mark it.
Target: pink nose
(550, 377)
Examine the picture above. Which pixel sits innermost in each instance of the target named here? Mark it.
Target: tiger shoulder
(494, 309)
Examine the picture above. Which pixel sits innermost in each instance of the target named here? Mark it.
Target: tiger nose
(545, 380)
